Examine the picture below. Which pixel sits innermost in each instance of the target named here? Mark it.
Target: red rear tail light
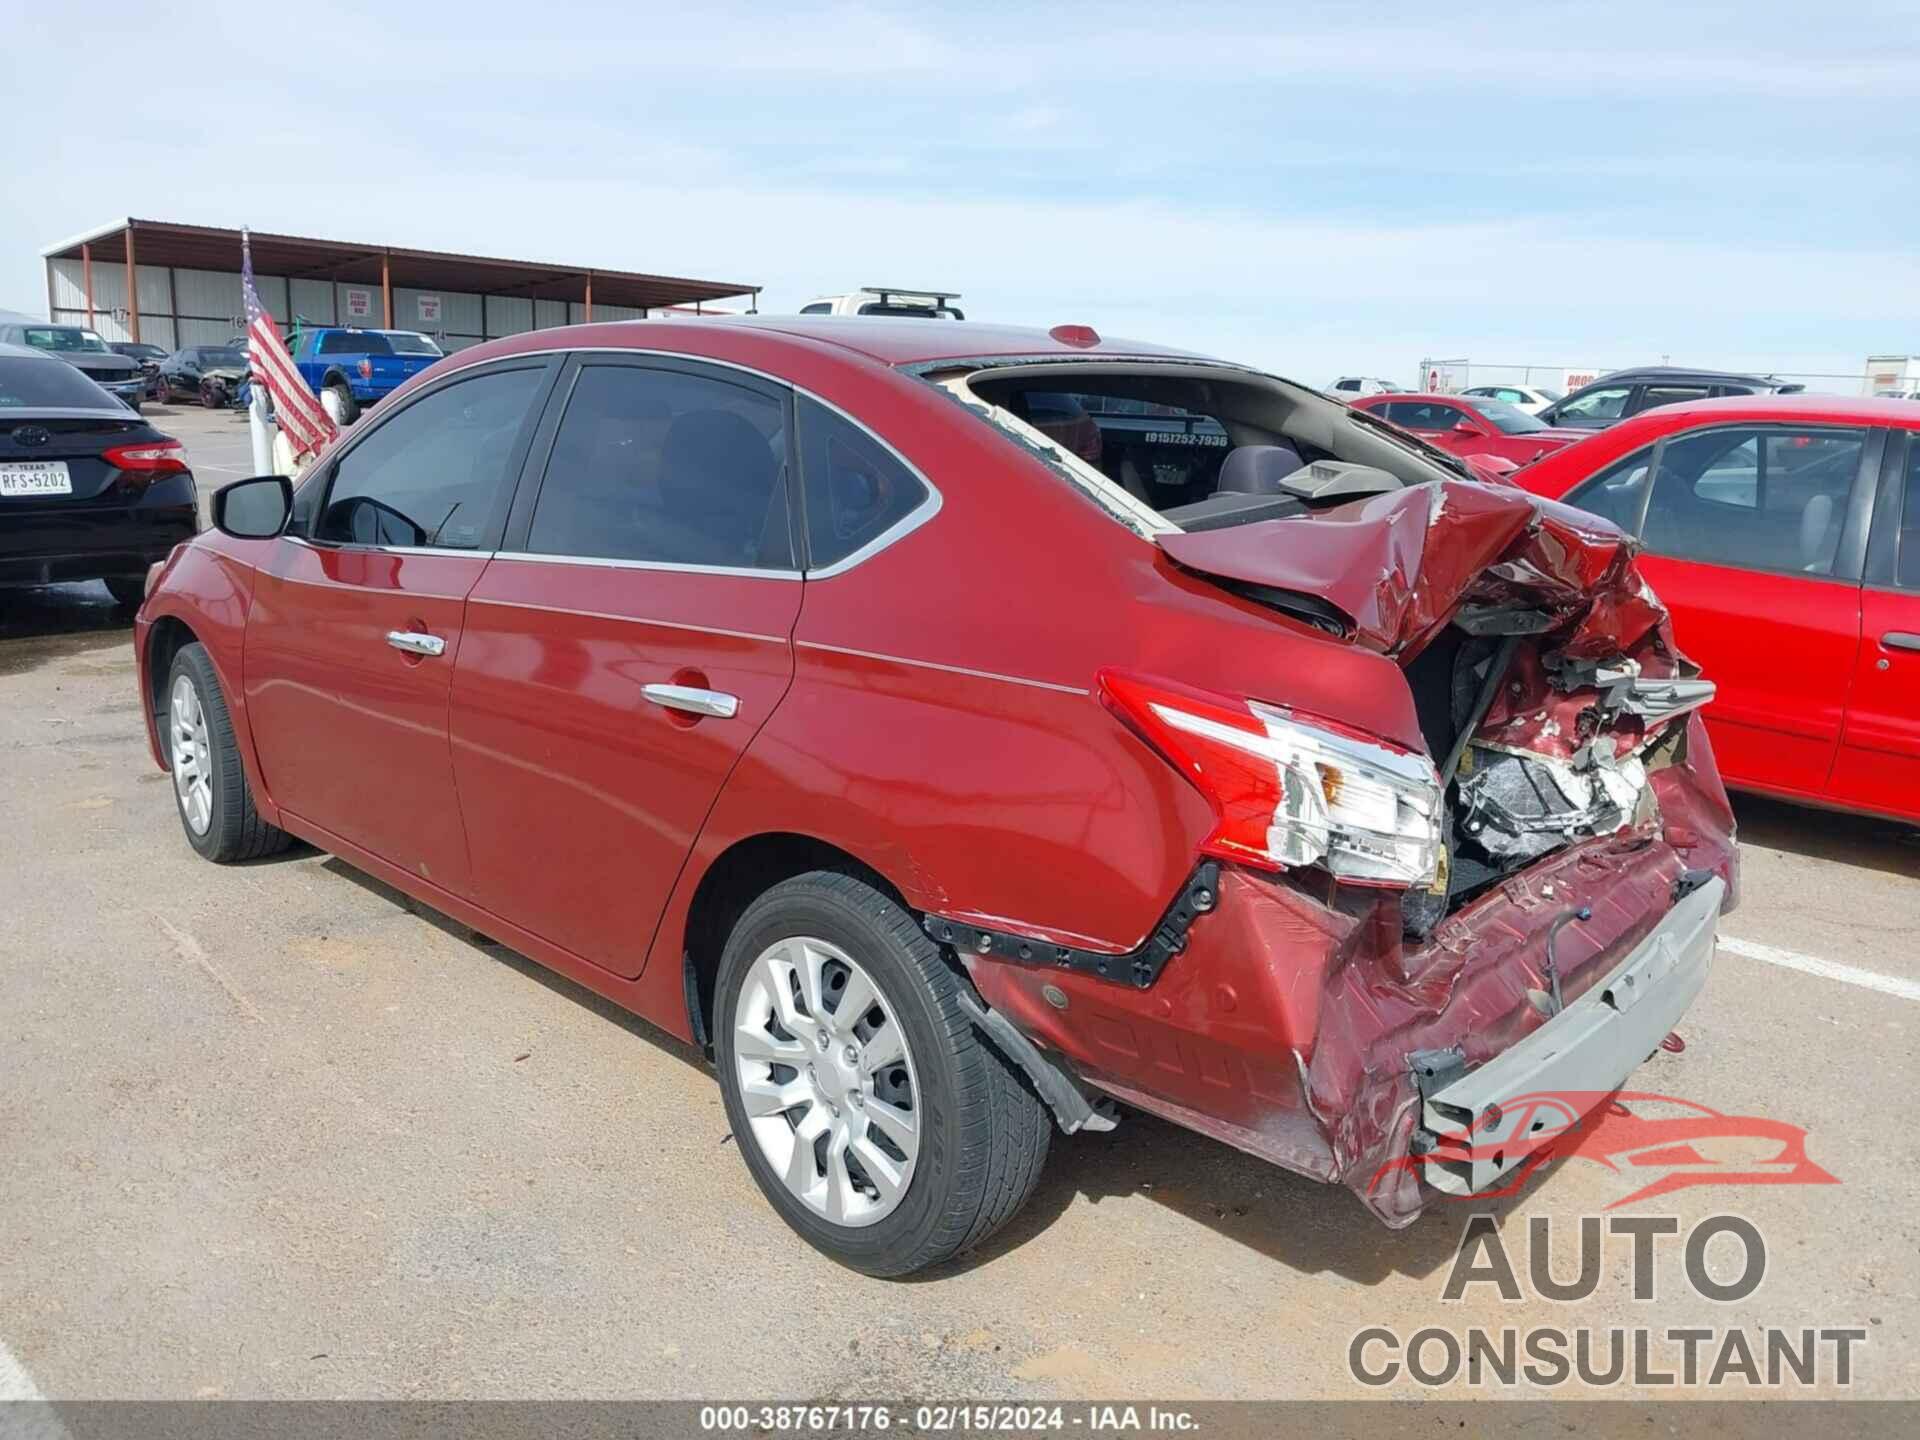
(1286, 792)
(366, 369)
(147, 458)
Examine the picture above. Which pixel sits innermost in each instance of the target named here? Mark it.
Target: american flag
(306, 426)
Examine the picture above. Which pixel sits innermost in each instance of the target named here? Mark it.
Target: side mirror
(1466, 427)
(255, 509)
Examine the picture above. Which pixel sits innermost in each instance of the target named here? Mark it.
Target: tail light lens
(147, 458)
(1290, 793)
(366, 369)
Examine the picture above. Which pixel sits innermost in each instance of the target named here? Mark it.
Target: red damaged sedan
(783, 681)
(1472, 427)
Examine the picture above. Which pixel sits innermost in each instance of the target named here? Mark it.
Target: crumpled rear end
(1583, 803)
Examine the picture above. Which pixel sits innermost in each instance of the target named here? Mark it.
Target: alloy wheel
(192, 755)
(827, 1081)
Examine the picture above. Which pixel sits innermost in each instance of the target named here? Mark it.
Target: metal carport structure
(186, 286)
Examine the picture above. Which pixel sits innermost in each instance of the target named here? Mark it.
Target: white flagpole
(260, 428)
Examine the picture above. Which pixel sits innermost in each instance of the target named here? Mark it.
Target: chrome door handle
(415, 643)
(1900, 640)
(692, 701)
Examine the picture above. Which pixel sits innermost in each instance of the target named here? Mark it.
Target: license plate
(35, 477)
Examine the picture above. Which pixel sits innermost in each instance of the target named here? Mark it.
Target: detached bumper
(1480, 1127)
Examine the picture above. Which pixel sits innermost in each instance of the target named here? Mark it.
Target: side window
(1597, 405)
(1615, 493)
(666, 467)
(1759, 499)
(1907, 571)
(856, 489)
(1657, 395)
(821, 307)
(433, 473)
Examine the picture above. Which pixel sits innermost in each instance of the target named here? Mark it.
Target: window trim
(307, 513)
(1887, 510)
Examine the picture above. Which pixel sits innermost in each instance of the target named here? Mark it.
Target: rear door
(1879, 764)
(1754, 537)
(625, 646)
(357, 619)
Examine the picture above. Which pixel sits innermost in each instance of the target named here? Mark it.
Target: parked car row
(120, 376)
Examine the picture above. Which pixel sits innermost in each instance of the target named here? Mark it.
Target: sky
(1316, 189)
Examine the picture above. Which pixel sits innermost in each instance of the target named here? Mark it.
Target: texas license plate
(35, 477)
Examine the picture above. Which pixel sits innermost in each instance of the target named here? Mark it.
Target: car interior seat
(1819, 534)
(1258, 469)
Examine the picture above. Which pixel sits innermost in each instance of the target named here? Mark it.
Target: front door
(357, 621)
(1879, 764)
(624, 647)
(1750, 545)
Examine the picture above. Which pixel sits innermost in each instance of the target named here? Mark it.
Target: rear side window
(668, 468)
(1908, 573)
(1424, 415)
(856, 489)
(435, 473)
(1759, 499)
(1658, 395)
(49, 385)
(342, 342)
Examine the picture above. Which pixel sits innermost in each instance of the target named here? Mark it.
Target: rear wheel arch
(738, 876)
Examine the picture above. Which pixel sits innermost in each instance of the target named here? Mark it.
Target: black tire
(235, 830)
(985, 1133)
(127, 592)
(343, 397)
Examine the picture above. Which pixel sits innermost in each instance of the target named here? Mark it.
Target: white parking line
(15, 1382)
(1825, 969)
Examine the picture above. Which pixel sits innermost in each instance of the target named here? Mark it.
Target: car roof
(1802, 406)
(1680, 372)
(1435, 397)
(910, 340)
(9, 351)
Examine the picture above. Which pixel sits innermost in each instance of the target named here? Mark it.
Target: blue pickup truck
(351, 368)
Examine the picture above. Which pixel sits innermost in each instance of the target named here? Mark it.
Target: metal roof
(206, 247)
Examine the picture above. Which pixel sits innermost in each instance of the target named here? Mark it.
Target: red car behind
(1783, 533)
(1472, 427)
(783, 681)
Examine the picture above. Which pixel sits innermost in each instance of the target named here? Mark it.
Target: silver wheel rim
(192, 756)
(827, 1081)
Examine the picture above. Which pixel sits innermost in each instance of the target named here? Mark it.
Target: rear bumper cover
(52, 543)
(1475, 1129)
